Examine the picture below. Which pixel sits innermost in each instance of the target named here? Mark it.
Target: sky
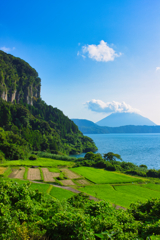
(94, 57)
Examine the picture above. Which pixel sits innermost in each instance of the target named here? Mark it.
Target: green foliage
(78, 200)
(109, 163)
(44, 128)
(40, 133)
(52, 219)
(110, 156)
(13, 146)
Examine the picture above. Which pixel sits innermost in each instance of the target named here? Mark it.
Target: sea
(138, 148)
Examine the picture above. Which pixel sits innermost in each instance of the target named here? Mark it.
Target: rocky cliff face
(28, 96)
(18, 80)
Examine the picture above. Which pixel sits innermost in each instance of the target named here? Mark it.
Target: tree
(110, 156)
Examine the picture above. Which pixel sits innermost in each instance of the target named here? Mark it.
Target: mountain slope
(18, 80)
(123, 119)
(43, 127)
(88, 127)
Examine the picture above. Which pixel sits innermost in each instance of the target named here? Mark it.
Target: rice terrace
(51, 176)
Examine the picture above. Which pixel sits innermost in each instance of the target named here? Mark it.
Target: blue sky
(100, 53)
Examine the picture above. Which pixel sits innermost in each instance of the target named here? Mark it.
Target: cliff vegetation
(26, 116)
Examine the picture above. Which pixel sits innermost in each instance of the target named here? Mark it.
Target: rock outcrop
(18, 80)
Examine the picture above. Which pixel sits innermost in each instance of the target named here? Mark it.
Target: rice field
(117, 188)
(67, 182)
(34, 174)
(69, 173)
(20, 173)
(49, 176)
(60, 193)
(138, 190)
(100, 176)
(152, 186)
(82, 182)
(108, 193)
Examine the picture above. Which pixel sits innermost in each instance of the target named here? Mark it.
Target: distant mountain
(89, 127)
(123, 119)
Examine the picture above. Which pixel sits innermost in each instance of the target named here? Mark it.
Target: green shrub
(33, 157)
(134, 172)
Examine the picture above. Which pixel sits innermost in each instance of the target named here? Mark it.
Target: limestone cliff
(18, 80)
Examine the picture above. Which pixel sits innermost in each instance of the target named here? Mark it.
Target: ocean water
(140, 148)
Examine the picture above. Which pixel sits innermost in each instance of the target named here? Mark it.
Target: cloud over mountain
(100, 53)
(109, 107)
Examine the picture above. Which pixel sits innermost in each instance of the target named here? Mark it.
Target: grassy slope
(102, 176)
(41, 162)
(40, 186)
(138, 191)
(152, 186)
(60, 193)
(107, 192)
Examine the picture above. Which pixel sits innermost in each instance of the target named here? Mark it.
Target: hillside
(24, 114)
(18, 80)
(123, 119)
(89, 127)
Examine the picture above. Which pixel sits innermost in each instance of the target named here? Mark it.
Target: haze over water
(136, 148)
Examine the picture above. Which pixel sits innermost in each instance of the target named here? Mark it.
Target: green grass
(41, 162)
(41, 173)
(137, 190)
(103, 176)
(152, 186)
(7, 172)
(25, 173)
(42, 187)
(55, 170)
(61, 193)
(20, 181)
(107, 192)
(49, 189)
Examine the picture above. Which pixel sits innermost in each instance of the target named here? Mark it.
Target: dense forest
(36, 125)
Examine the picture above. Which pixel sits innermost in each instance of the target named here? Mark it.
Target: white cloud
(157, 68)
(109, 107)
(5, 49)
(100, 53)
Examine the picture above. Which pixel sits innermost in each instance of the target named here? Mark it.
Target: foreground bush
(26, 214)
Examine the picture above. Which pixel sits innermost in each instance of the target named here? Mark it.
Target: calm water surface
(137, 148)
